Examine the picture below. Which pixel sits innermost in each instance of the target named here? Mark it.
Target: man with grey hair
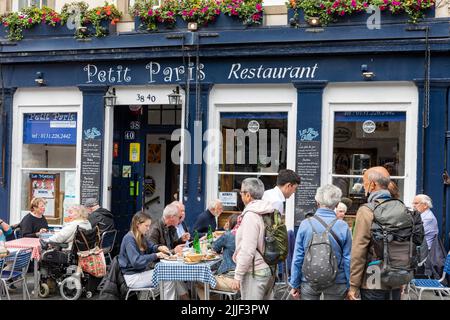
(181, 230)
(423, 204)
(327, 198)
(161, 231)
(209, 217)
(253, 276)
(98, 216)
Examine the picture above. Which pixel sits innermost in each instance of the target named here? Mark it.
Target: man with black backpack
(385, 242)
(321, 261)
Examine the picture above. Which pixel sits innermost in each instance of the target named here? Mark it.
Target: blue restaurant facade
(336, 100)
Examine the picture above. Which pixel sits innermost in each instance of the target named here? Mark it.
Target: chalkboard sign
(308, 167)
(91, 156)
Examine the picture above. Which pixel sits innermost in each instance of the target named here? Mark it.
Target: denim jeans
(335, 292)
(369, 294)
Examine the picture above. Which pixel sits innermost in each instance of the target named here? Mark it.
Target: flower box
(45, 30)
(292, 20)
(106, 24)
(224, 21)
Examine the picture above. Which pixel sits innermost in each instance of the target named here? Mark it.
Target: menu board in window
(46, 185)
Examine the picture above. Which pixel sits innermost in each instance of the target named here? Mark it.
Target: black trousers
(369, 294)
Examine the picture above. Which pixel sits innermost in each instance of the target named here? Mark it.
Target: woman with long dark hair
(137, 253)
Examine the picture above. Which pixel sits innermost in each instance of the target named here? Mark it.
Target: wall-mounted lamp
(110, 97)
(40, 79)
(367, 75)
(175, 97)
(313, 21)
(192, 26)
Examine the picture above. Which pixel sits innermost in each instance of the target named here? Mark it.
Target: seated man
(208, 218)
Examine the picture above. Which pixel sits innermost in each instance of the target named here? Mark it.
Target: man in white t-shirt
(287, 183)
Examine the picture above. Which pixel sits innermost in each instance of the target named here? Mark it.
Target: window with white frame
(48, 166)
(20, 4)
(364, 139)
(254, 144)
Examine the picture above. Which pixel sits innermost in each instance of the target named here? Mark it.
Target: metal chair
(153, 292)
(18, 272)
(16, 231)
(2, 263)
(418, 286)
(231, 295)
(107, 243)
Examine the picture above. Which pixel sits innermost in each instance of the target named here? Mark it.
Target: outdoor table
(33, 243)
(177, 270)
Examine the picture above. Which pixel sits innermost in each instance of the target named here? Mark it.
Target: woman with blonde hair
(34, 223)
(77, 218)
(137, 253)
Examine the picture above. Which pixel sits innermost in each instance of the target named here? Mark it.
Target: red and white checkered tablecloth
(24, 243)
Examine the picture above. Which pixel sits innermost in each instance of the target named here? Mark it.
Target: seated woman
(5, 230)
(77, 218)
(226, 244)
(136, 254)
(34, 223)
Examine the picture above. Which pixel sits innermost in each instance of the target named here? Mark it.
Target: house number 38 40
(144, 98)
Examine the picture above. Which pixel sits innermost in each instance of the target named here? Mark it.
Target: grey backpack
(320, 264)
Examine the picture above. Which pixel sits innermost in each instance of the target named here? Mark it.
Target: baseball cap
(90, 202)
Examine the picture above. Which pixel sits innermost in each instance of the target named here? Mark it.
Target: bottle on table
(196, 242)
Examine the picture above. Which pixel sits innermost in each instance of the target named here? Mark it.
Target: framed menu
(47, 186)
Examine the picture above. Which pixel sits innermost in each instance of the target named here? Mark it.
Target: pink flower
(259, 7)
(205, 9)
(150, 12)
(256, 17)
(217, 11)
(184, 13)
(30, 20)
(170, 14)
(234, 12)
(342, 13)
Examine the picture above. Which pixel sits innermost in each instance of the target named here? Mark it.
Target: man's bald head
(376, 178)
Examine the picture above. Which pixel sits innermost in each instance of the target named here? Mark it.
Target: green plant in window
(249, 11)
(27, 18)
(106, 13)
(148, 13)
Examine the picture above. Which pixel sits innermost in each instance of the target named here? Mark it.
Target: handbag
(92, 261)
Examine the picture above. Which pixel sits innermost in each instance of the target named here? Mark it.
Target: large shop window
(253, 145)
(363, 140)
(48, 167)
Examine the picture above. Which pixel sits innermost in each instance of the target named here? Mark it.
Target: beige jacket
(249, 237)
(362, 253)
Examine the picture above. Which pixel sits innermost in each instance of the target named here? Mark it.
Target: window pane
(168, 117)
(253, 142)
(366, 139)
(353, 189)
(57, 188)
(154, 117)
(23, 4)
(229, 182)
(48, 156)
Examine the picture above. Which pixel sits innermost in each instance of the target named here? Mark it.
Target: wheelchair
(59, 271)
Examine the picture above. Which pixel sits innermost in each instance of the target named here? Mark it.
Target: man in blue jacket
(327, 198)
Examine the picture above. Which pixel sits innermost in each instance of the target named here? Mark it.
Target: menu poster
(45, 185)
(308, 167)
(91, 159)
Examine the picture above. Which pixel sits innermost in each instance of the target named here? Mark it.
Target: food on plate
(193, 257)
(210, 256)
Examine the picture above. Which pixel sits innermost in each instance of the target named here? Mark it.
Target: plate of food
(173, 257)
(192, 258)
(210, 257)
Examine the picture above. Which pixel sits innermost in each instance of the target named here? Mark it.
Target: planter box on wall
(295, 21)
(110, 28)
(224, 21)
(44, 30)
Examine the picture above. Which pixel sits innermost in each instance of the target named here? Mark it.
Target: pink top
(24, 243)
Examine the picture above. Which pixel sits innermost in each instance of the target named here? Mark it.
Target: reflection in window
(253, 145)
(363, 140)
(48, 168)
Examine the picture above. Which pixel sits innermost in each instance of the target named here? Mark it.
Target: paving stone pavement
(17, 294)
